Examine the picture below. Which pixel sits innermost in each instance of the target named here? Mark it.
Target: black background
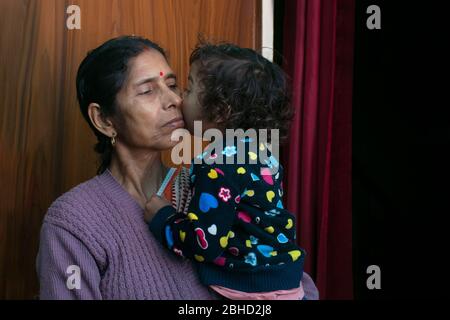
(401, 139)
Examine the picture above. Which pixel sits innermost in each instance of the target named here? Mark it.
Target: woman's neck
(139, 172)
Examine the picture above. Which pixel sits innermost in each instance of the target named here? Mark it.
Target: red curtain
(318, 48)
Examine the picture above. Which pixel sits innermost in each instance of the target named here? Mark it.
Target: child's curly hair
(242, 88)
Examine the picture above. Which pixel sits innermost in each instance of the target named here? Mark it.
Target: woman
(95, 243)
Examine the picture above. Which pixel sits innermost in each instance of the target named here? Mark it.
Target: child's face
(192, 110)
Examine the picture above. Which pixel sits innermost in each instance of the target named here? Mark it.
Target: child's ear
(221, 118)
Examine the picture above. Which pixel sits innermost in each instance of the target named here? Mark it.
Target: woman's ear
(101, 123)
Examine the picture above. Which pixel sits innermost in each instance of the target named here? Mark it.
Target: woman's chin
(170, 142)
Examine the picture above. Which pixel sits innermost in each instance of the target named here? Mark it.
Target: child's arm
(203, 233)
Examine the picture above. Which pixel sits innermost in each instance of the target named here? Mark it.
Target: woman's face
(149, 104)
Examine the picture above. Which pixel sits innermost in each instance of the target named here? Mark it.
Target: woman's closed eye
(147, 90)
(150, 90)
(173, 85)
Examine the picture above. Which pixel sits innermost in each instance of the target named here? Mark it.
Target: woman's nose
(172, 100)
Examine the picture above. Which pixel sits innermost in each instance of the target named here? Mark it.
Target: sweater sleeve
(66, 269)
(203, 234)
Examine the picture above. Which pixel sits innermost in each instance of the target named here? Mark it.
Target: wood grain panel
(46, 147)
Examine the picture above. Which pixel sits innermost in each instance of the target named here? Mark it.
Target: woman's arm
(311, 291)
(61, 256)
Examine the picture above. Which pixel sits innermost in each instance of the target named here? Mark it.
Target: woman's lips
(175, 123)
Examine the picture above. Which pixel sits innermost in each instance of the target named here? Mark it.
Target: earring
(113, 139)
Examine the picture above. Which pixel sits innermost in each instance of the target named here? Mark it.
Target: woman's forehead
(149, 63)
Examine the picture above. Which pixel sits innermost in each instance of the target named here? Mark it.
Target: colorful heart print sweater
(236, 228)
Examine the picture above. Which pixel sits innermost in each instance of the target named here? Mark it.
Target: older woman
(95, 243)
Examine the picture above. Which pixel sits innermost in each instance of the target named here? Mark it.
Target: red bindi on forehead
(161, 73)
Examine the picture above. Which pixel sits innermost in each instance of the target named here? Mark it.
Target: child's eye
(173, 86)
(185, 93)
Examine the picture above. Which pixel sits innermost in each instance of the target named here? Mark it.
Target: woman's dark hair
(242, 88)
(100, 77)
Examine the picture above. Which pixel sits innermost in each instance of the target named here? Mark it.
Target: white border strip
(267, 29)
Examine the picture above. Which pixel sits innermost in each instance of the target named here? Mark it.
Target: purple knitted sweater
(98, 227)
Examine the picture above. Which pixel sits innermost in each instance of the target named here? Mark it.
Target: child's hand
(153, 205)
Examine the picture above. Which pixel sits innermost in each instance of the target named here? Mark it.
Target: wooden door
(46, 147)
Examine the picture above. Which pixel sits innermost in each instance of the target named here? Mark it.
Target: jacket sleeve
(203, 234)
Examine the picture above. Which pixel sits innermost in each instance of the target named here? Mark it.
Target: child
(236, 228)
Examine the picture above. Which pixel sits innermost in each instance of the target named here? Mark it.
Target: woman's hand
(153, 205)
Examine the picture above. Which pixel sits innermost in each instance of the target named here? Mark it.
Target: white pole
(267, 29)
